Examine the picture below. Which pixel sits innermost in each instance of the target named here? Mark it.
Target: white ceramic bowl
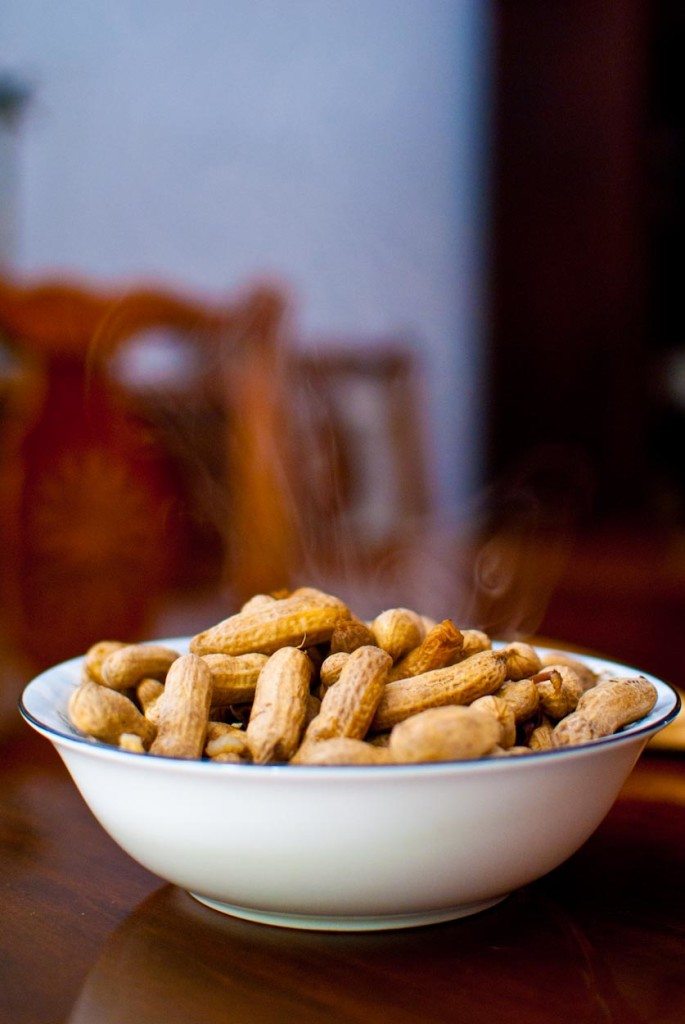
(346, 848)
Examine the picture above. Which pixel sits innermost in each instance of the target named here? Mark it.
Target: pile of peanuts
(297, 678)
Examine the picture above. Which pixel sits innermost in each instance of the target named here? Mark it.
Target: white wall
(338, 144)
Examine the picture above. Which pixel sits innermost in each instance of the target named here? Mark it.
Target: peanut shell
(348, 707)
(280, 706)
(183, 709)
(296, 621)
(457, 684)
(444, 734)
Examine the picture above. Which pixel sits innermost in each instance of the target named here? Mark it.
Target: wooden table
(89, 937)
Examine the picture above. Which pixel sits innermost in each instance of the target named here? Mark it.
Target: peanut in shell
(606, 708)
(447, 733)
(183, 709)
(442, 645)
(105, 714)
(280, 704)
(295, 621)
(127, 666)
(348, 707)
(479, 675)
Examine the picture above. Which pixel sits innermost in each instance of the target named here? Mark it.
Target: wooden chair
(366, 473)
(94, 499)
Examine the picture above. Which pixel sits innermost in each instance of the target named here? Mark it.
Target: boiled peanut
(340, 750)
(331, 669)
(125, 667)
(398, 631)
(559, 690)
(522, 660)
(440, 646)
(131, 742)
(348, 707)
(457, 684)
(280, 706)
(183, 709)
(444, 734)
(522, 697)
(95, 656)
(148, 692)
(475, 641)
(550, 659)
(234, 677)
(227, 744)
(295, 621)
(350, 634)
(542, 736)
(105, 714)
(606, 708)
(503, 714)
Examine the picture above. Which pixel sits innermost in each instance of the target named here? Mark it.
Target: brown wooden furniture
(570, 348)
(124, 487)
(95, 498)
(88, 937)
(360, 410)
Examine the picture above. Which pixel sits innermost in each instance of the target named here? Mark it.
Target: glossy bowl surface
(353, 847)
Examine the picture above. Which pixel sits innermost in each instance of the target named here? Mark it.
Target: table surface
(88, 936)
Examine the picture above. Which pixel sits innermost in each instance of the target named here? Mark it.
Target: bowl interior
(44, 703)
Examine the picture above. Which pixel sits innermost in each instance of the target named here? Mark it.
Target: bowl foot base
(343, 923)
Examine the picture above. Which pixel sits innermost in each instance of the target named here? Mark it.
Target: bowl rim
(642, 729)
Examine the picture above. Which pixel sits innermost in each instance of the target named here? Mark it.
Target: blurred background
(382, 296)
